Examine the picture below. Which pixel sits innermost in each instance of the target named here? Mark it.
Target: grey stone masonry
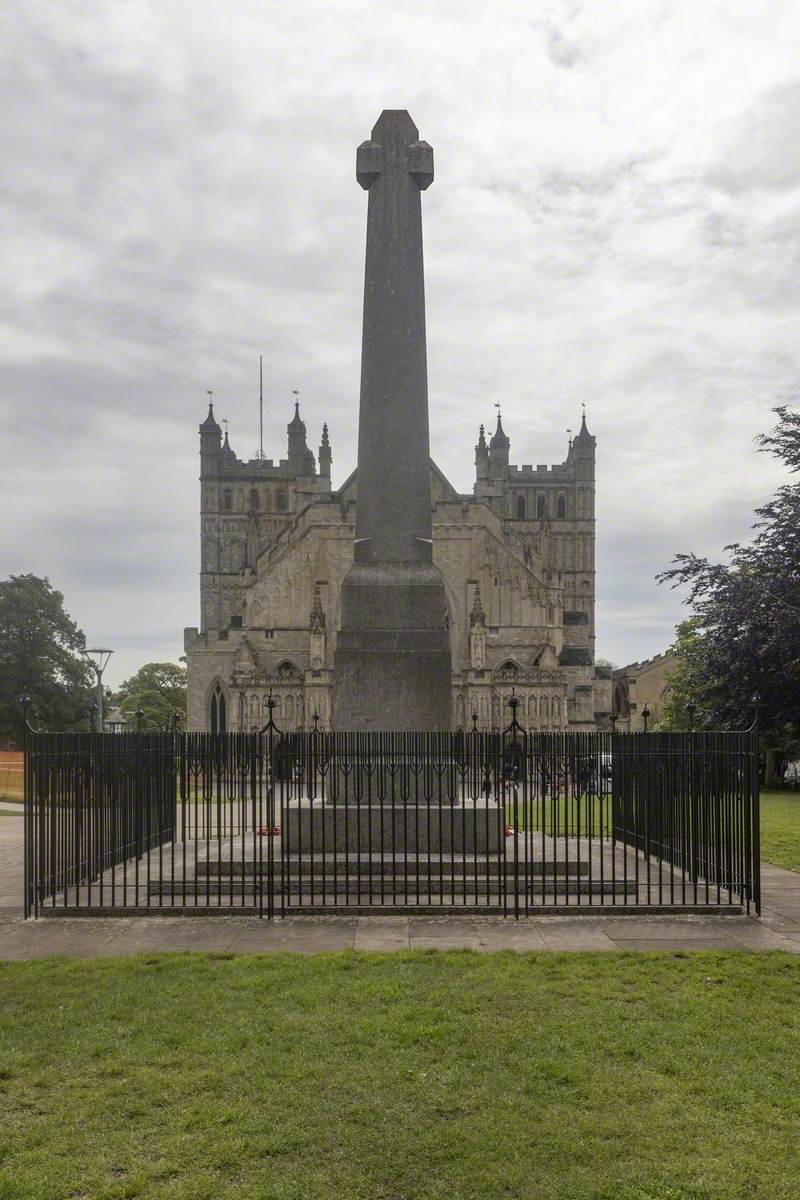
(392, 668)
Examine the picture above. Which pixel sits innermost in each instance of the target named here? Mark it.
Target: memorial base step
(411, 889)
(387, 865)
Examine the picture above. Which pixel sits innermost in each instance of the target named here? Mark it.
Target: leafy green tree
(680, 689)
(744, 636)
(158, 690)
(40, 656)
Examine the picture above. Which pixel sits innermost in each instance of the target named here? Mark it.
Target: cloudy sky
(615, 219)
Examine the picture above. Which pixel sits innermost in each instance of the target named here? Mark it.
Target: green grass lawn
(780, 822)
(780, 829)
(401, 1077)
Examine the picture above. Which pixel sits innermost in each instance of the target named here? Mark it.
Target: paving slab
(445, 926)
(520, 935)
(670, 929)
(775, 920)
(572, 934)
(382, 933)
(296, 936)
(443, 933)
(759, 937)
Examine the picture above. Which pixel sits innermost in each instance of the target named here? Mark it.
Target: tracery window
(218, 716)
(508, 671)
(227, 500)
(562, 507)
(541, 507)
(521, 507)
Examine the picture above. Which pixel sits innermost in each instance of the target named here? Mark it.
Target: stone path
(778, 928)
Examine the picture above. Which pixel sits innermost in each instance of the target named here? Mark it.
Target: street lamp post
(98, 659)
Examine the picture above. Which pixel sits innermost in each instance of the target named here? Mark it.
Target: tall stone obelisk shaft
(392, 665)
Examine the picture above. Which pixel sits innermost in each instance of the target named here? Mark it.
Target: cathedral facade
(516, 555)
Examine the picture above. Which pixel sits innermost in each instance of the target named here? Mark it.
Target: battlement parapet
(636, 667)
(527, 470)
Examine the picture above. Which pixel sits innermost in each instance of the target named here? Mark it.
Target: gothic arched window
(281, 500)
(521, 507)
(227, 500)
(509, 671)
(541, 508)
(254, 497)
(562, 507)
(217, 715)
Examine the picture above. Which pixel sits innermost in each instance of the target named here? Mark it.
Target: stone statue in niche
(477, 633)
(317, 632)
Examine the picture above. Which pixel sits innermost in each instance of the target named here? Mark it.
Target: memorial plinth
(399, 829)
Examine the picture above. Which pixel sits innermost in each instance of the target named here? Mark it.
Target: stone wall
(642, 683)
(520, 590)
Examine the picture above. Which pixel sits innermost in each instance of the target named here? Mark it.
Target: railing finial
(513, 704)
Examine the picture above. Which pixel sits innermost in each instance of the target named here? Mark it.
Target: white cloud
(614, 219)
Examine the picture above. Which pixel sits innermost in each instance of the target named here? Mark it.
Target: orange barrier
(12, 774)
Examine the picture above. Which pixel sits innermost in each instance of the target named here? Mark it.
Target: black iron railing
(274, 823)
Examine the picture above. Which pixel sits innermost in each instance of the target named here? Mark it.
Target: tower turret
(498, 450)
(226, 454)
(583, 450)
(325, 454)
(301, 459)
(481, 457)
(210, 434)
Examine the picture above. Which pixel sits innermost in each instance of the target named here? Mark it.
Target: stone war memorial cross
(392, 665)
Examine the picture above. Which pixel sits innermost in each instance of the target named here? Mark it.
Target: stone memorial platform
(399, 829)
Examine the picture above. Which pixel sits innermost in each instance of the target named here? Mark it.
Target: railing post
(691, 830)
(27, 811)
(754, 824)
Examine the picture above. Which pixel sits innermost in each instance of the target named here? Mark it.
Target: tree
(40, 656)
(680, 689)
(158, 690)
(744, 636)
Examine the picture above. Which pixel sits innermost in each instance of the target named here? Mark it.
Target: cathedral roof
(499, 438)
(210, 425)
(436, 472)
